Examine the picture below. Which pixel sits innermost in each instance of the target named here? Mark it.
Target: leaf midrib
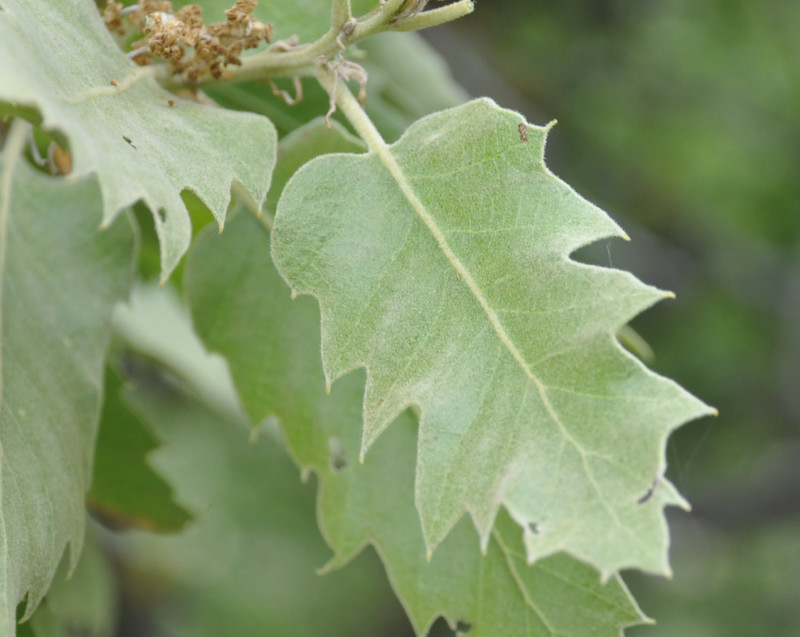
(384, 154)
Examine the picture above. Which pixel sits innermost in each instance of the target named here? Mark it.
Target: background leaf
(125, 492)
(442, 267)
(60, 279)
(59, 59)
(247, 563)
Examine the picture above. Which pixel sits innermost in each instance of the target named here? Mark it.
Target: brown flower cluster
(182, 38)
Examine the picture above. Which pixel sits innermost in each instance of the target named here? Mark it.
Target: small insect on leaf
(523, 132)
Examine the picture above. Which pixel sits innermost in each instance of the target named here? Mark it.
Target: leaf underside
(59, 59)
(60, 279)
(441, 265)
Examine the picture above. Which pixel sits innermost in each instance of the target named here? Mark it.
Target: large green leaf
(60, 278)
(241, 308)
(58, 59)
(441, 264)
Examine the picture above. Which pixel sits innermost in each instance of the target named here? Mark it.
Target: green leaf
(125, 492)
(496, 593)
(60, 279)
(441, 264)
(247, 565)
(241, 308)
(308, 141)
(59, 59)
(82, 603)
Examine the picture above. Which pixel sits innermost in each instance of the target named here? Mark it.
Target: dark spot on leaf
(649, 493)
(338, 454)
(162, 215)
(462, 627)
(128, 139)
(533, 527)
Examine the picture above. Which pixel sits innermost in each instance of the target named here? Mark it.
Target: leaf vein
(385, 156)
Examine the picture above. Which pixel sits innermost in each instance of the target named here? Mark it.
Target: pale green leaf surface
(442, 266)
(59, 58)
(60, 279)
(241, 309)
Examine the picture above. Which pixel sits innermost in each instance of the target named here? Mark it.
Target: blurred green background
(681, 118)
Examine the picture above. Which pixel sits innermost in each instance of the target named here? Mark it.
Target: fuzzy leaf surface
(441, 265)
(60, 278)
(57, 61)
(241, 309)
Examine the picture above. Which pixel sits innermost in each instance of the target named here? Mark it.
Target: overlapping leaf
(83, 602)
(441, 264)
(247, 565)
(126, 492)
(58, 60)
(60, 278)
(241, 309)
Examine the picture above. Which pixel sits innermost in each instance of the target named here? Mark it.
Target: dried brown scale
(166, 34)
(170, 35)
(112, 16)
(146, 7)
(192, 16)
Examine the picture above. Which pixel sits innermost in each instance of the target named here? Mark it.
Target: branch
(290, 60)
